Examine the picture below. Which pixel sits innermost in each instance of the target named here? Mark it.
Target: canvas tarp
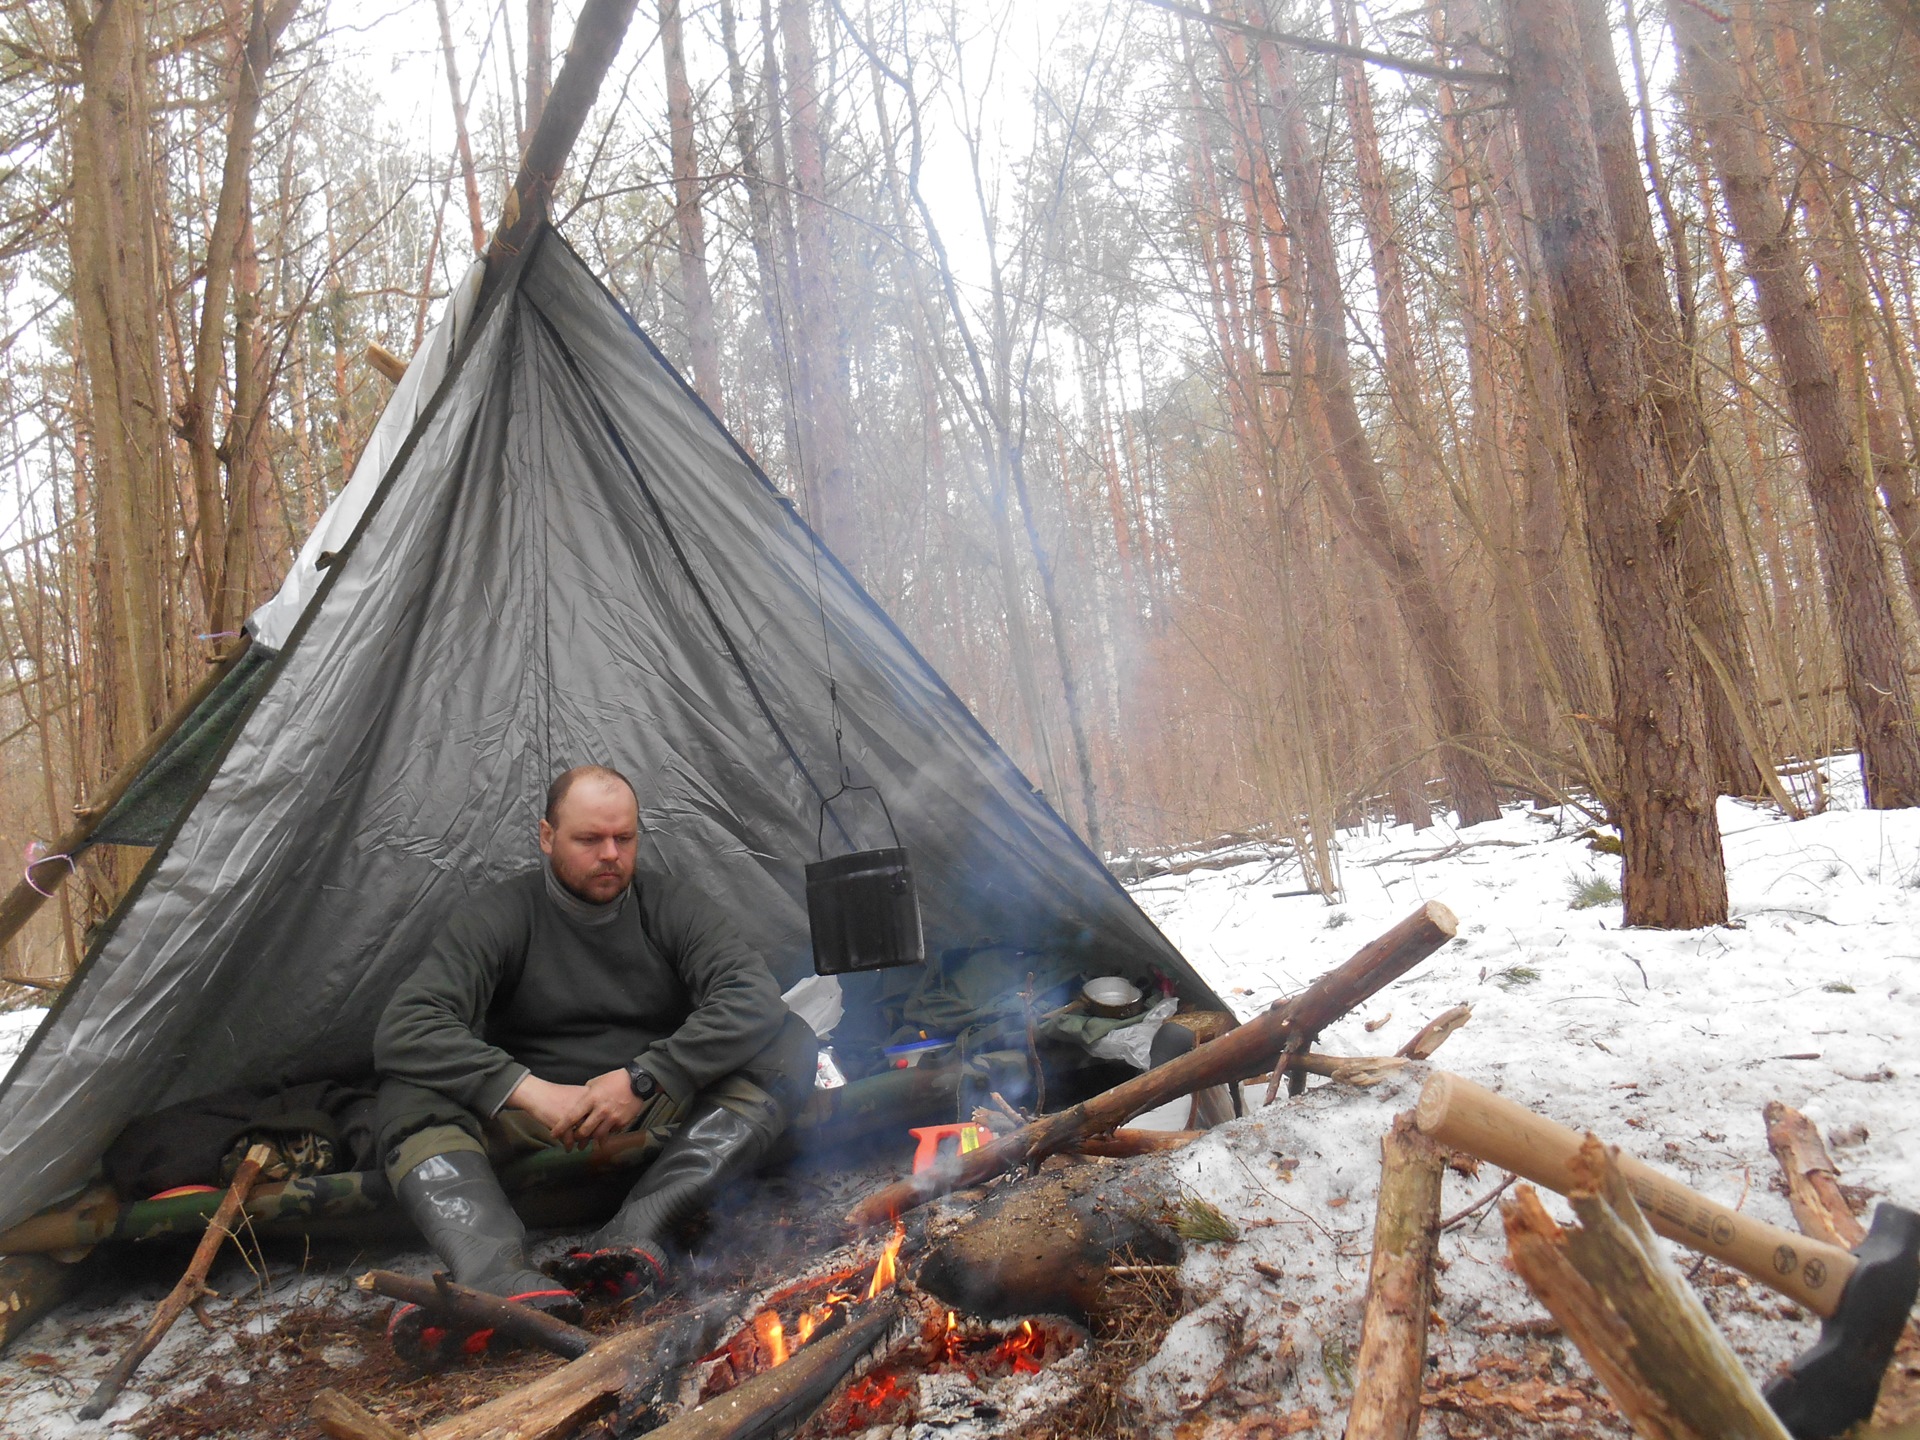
(569, 561)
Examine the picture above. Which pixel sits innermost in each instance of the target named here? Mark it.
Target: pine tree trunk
(1851, 564)
(117, 300)
(696, 291)
(1695, 510)
(1458, 708)
(539, 64)
(1674, 875)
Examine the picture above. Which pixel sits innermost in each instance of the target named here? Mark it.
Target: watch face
(642, 1083)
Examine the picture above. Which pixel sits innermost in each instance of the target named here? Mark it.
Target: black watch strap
(641, 1081)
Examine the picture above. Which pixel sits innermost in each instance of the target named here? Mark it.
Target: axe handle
(1462, 1116)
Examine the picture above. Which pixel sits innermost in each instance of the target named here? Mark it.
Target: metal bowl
(1111, 996)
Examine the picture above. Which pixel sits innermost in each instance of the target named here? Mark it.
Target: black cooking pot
(864, 912)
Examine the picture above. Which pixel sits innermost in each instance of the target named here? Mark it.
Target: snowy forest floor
(1667, 1044)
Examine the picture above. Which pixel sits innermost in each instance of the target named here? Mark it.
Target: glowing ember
(773, 1335)
(1017, 1352)
(883, 1273)
(875, 1391)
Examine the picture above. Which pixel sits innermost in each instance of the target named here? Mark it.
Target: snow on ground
(16, 1028)
(1666, 1043)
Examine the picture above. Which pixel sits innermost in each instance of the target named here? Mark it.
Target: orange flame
(1018, 1351)
(950, 1342)
(773, 1335)
(885, 1271)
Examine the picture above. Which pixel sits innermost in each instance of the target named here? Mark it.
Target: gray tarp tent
(569, 559)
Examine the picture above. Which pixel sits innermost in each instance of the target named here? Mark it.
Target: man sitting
(559, 1007)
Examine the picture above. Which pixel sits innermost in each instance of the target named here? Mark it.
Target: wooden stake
(1391, 1368)
(1241, 1052)
(190, 1288)
(480, 1310)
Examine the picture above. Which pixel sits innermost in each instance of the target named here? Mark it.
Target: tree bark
(1391, 1366)
(696, 290)
(476, 219)
(1455, 691)
(539, 63)
(825, 421)
(1694, 511)
(116, 279)
(1850, 559)
(1674, 873)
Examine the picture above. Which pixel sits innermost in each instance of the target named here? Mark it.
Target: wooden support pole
(479, 1310)
(49, 872)
(590, 54)
(559, 1403)
(1239, 1053)
(191, 1287)
(1391, 1369)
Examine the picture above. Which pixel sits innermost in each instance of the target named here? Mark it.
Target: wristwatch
(644, 1086)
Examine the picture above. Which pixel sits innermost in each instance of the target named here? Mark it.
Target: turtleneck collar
(583, 912)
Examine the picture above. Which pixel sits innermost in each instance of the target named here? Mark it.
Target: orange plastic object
(932, 1136)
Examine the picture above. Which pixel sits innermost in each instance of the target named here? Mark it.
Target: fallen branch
(478, 1310)
(1391, 1367)
(1240, 1052)
(627, 1363)
(786, 1395)
(1435, 1033)
(192, 1286)
(1125, 1144)
(1813, 1186)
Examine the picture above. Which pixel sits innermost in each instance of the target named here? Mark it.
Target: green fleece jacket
(526, 978)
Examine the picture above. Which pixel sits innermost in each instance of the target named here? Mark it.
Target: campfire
(930, 1340)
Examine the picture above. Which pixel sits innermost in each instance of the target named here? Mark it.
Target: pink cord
(27, 874)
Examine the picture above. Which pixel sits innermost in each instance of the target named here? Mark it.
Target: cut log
(1047, 1246)
(1389, 1374)
(476, 1309)
(783, 1397)
(386, 362)
(31, 1285)
(1676, 1350)
(1435, 1033)
(1813, 1186)
(191, 1288)
(559, 1403)
(345, 1419)
(1538, 1249)
(1241, 1052)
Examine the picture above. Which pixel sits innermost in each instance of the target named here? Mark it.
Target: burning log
(787, 1394)
(1049, 1246)
(1393, 1337)
(1290, 1026)
(626, 1364)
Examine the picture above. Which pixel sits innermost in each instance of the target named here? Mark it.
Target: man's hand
(612, 1107)
(560, 1108)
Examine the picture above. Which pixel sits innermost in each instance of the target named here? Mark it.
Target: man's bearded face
(592, 839)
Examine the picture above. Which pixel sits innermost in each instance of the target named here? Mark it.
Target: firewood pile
(1280, 1275)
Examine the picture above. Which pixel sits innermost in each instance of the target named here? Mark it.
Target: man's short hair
(567, 779)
